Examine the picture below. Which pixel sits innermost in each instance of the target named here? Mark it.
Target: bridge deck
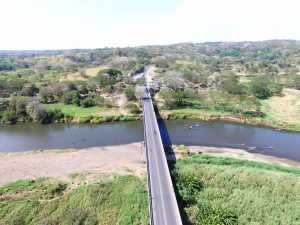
(163, 205)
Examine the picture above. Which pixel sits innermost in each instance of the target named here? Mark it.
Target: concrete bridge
(163, 207)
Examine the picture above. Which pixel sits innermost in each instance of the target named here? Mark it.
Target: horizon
(91, 24)
(140, 46)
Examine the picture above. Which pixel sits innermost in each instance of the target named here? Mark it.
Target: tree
(35, 110)
(259, 88)
(168, 95)
(130, 93)
(230, 83)
(112, 73)
(174, 80)
(139, 91)
(29, 90)
(88, 102)
(71, 97)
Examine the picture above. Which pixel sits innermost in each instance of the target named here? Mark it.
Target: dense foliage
(225, 77)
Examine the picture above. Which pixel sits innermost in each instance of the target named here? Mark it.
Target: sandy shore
(124, 159)
(242, 154)
(61, 163)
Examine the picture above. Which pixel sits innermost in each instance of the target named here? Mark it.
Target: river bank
(211, 116)
(178, 115)
(91, 162)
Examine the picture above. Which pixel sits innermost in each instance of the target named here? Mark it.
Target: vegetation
(229, 191)
(210, 190)
(234, 79)
(118, 200)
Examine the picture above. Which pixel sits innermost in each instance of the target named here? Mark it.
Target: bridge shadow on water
(167, 143)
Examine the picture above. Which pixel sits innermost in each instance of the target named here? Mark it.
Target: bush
(9, 116)
(71, 97)
(29, 90)
(133, 108)
(188, 185)
(230, 83)
(212, 213)
(259, 88)
(35, 110)
(183, 149)
(57, 115)
(130, 93)
(88, 102)
(56, 189)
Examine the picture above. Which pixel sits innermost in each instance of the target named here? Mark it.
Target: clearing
(284, 110)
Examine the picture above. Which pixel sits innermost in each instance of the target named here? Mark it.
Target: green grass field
(210, 191)
(121, 200)
(223, 191)
(73, 110)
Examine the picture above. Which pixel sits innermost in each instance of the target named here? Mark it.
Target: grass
(79, 176)
(211, 190)
(118, 200)
(92, 114)
(194, 114)
(73, 110)
(92, 72)
(22, 185)
(284, 111)
(228, 191)
(280, 113)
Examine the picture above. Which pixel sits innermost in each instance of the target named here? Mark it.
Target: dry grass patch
(284, 109)
(92, 72)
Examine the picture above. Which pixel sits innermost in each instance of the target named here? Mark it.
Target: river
(24, 137)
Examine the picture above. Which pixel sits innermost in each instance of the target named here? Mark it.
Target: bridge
(163, 206)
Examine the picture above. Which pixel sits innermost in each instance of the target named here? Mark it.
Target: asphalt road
(163, 205)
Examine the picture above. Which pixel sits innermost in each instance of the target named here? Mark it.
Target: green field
(95, 114)
(73, 110)
(210, 191)
(228, 191)
(119, 200)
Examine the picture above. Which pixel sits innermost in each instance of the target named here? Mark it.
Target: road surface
(163, 205)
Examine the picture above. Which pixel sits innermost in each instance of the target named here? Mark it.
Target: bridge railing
(148, 174)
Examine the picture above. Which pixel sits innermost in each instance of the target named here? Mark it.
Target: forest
(223, 80)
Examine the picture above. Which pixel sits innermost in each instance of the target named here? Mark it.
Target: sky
(69, 24)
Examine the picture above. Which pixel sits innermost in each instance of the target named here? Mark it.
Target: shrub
(55, 189)
(29, 90)
(9, 116)
(188, 185)
(183, 149)
(88, 102)
(35, 110)
(71, 97)
(212, 213)
(130, 93)
(132, 108)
